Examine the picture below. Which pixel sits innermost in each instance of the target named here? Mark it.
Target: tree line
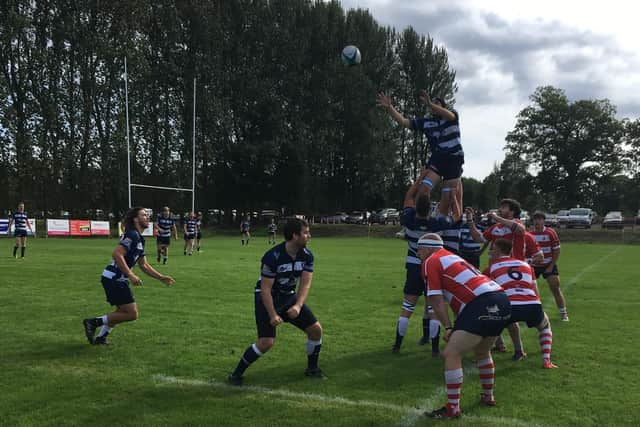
(280, 121)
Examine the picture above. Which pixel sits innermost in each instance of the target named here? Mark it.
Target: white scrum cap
(430, 240)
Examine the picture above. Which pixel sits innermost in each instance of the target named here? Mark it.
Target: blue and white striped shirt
(443, 135)
(164, 226)
(414, 229)
(20, 220)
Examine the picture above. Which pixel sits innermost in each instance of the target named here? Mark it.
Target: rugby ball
(351, 55)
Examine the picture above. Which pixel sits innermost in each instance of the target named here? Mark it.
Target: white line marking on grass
(588, 268)
(281, 392)
(411, 417)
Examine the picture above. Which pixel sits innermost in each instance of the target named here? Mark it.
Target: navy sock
(251, 354)
(15, 250)
(22, 251)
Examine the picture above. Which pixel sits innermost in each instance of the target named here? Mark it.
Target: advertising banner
(80, 227)
(100, 228)
(57, 227)
(4, 227)
(149, 230)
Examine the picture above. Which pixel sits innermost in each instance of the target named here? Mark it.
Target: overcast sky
(502, 50)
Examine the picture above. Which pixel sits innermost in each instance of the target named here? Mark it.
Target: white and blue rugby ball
(351, 55)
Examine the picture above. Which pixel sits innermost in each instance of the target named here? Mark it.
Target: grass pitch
(169, 367)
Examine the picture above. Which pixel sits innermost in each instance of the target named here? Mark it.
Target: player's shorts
(243, 232)
(272, 233)
(414, 284)
(540, 270)
(118, 292)
(448, 167)
(472, 258)
(487, 315)
(305, 319)
(199, 235)
(19, 233)
(189, 236)
(533, 314)
(163, 240)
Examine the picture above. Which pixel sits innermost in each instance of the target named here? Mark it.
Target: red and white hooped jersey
(531, 247)
(458, 281)
(501, 231)
(548, 241)
(517, 279)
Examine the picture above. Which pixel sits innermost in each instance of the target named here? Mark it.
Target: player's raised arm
(436, 109)
(516, 227)
(473, 230)
(384, 101)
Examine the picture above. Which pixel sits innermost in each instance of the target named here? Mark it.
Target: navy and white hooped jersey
(443, 135)
(133, 242)
(164, 226)
(467, 244)
(20, 220)
(451, 237)
(414, 229)
(278, 265)
(272, 228)
(198, 224)
(191, 224)
(245, 226)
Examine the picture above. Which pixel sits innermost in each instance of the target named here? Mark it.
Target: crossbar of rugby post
(161, 188)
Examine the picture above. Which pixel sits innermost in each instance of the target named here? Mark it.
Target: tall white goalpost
(130, 185)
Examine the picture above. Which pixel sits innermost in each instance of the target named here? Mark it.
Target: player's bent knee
(265, 344)
(314, 331)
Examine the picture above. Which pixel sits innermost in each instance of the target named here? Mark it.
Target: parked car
(358, 217)
(385, 216)
(550, 220)
(336, 218)
(580, 217)
(563, 217)
(613, 219)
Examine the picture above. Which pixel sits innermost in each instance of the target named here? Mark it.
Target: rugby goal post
(130, 185)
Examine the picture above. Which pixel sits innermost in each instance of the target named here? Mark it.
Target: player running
(549, 242)
(163, 228)
(20, 219)
(276, 300)
(190, 225)
(116, 277)
(481, 308)
(517, 279)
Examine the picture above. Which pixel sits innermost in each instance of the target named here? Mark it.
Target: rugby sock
(403, 324)
(250, 355)
(313, 352)
(15, 250)
(487, 376)
(105, 330)
(22, 251)
(425, 324)
(102, 320)
(563, 311)
(546, 338)
(242, 242)
(453, 379)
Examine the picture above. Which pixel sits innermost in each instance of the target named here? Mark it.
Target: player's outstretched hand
(167, 280)
(383, 101)
(425, 98)
(293, 312)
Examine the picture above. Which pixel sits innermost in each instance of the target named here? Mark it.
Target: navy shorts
(118, 292)
(533, 314)
(305, 319)
(448, 167)
(163, 240)
(540, 270)
(190, 236)
(487, 315)
(19, 233)
(472, 258)
(199, 235)
(414, 284)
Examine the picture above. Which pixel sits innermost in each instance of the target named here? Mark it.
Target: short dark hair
(423, 204)
(503, 245)
(130, 215)
(294, 226)
(539, 214)
(513, 206)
